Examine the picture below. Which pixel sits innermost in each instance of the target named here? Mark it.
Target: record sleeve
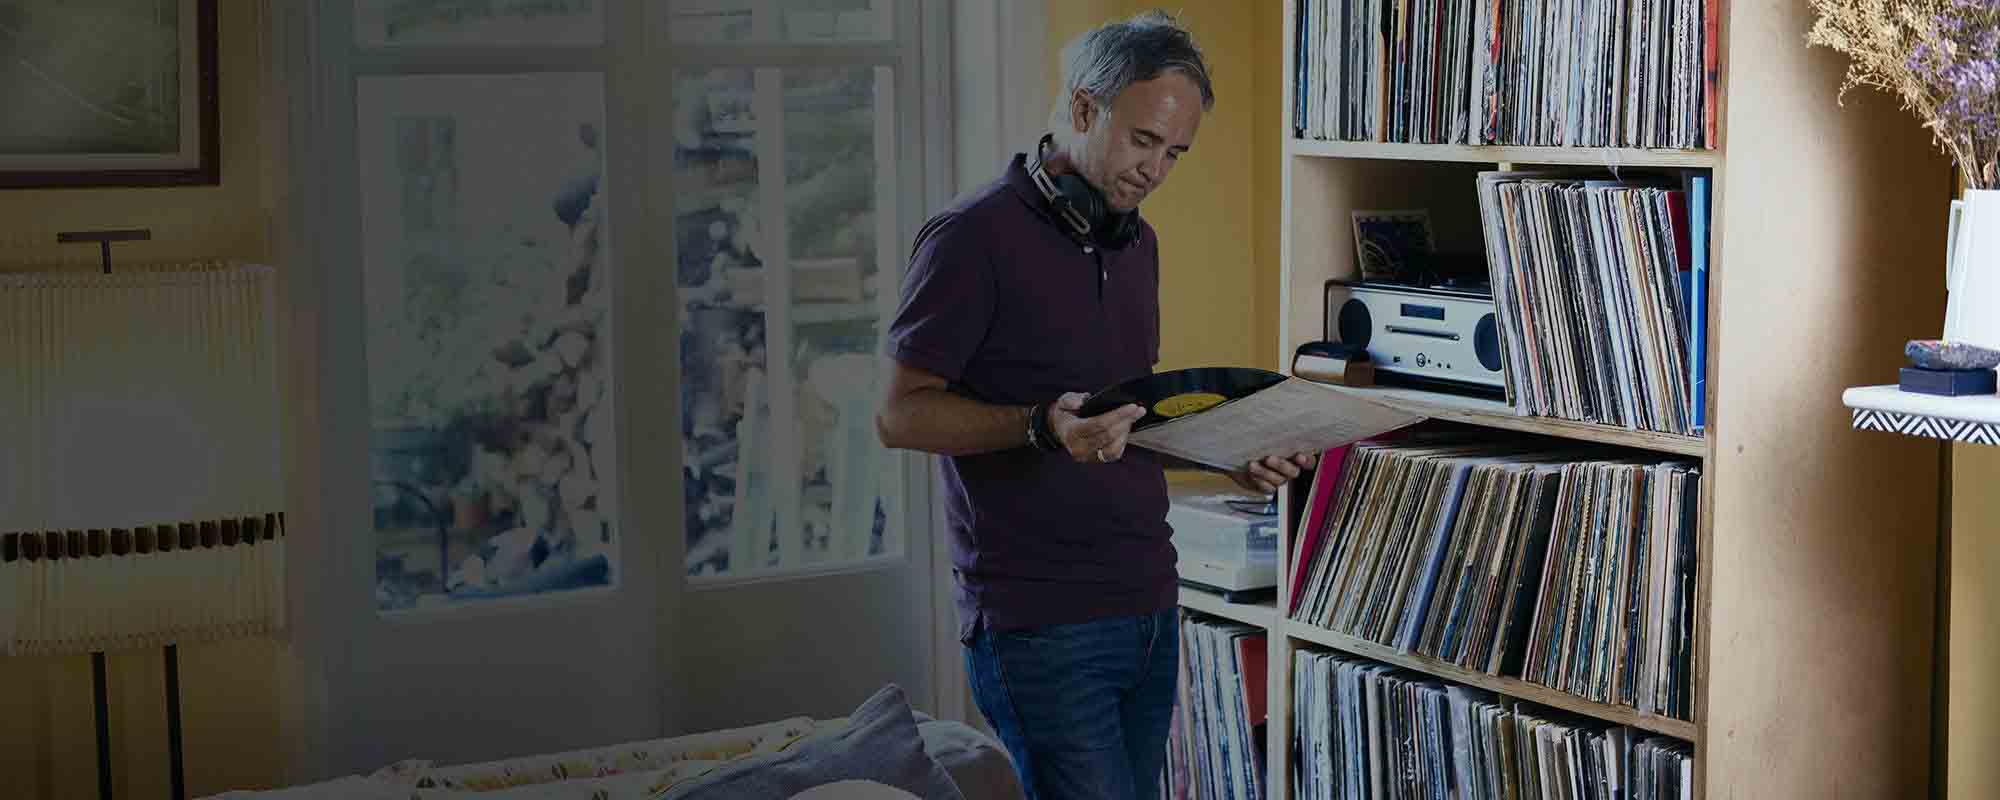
(1167, 396)
(1226, 417)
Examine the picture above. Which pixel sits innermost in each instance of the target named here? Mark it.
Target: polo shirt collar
(1024, 187)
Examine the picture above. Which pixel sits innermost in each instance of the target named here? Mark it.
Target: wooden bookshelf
(1816, 547)
(1510, 687)
(1498, 154)
(1262, 614)
(1496, 414)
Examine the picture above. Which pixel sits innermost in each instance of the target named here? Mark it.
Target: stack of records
(1595, 285)
(1367, 731)
(1216, 746)
(1578, 73)
(1572, 569)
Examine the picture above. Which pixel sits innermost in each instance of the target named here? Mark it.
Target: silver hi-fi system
(1440, 336)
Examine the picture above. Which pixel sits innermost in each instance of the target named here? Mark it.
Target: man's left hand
(1267, 474)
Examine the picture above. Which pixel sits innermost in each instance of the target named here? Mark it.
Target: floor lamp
(140, 493)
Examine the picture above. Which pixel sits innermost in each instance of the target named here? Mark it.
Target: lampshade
(140, 489)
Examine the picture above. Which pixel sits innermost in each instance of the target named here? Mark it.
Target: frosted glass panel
(837, 193)
(786, 21)
(784, 190)
(385, 23)
(485, 244)
(721, 277)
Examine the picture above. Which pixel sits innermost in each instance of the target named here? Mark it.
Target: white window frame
(984, 80)
(999, 91)
(913, 178)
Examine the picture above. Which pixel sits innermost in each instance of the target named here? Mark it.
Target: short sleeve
(947, 299)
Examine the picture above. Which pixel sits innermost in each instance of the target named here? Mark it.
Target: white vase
(1972, 270)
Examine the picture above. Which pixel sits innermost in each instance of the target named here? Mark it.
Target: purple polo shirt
(1003, 303)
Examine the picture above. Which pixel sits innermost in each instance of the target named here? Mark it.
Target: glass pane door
(784, 200)
(713, 22)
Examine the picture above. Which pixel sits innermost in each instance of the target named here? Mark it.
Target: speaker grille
(1355, 323)
(1486, 343)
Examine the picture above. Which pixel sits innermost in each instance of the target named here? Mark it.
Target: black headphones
(1082, 206)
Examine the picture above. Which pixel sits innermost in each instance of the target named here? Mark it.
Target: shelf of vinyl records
(1508, 687)
(1378, 730)
(1599, 285)
(1354, 699)
(1562, 574)
(1606, 157)
(1560, 79)
(1219, 742)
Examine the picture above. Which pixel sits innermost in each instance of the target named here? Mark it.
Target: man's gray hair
(1104, 61)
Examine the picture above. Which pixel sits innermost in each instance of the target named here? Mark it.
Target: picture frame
(134, 104)
(1389, 245)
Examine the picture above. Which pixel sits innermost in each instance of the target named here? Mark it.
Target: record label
(1180, 393)
(1188, 403)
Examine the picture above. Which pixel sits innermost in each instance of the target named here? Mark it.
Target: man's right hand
(1091, 440)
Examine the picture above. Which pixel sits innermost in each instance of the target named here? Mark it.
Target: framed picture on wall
(108, 93)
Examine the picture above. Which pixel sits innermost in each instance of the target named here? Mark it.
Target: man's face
(1128, 153)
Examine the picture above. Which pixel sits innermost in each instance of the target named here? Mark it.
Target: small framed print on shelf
(109, 93)
(1389, 245)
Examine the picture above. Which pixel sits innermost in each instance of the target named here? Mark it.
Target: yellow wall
(1217, 214)
(228, 690)
(1974, 708)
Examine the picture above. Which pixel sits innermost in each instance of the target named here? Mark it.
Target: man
(1021, 298)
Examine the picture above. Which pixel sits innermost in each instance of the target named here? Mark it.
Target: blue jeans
(1083, 708)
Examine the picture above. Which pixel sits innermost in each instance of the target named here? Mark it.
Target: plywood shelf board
(1260, 614)
(1496, 414)
(1607, 157)
(1510, 687)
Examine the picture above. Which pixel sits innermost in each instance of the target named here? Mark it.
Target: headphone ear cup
(1109, 230)
(1083, 198)
(1124, 230)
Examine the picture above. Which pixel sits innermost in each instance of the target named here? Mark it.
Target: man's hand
(1270, 472)
(1099, 439)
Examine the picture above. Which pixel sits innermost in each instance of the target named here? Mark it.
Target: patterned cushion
(854, 790)
(631, 770)
(880, 743)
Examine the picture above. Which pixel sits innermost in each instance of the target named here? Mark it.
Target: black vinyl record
(1170, 395)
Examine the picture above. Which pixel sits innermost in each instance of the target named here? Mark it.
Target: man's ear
(1082, 111)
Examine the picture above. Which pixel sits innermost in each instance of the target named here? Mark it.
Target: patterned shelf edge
(1974, 418)
(1933, 427)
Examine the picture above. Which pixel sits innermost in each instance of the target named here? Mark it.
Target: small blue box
(1948, 382)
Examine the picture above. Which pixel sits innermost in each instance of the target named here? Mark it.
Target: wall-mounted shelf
(1973, 418)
